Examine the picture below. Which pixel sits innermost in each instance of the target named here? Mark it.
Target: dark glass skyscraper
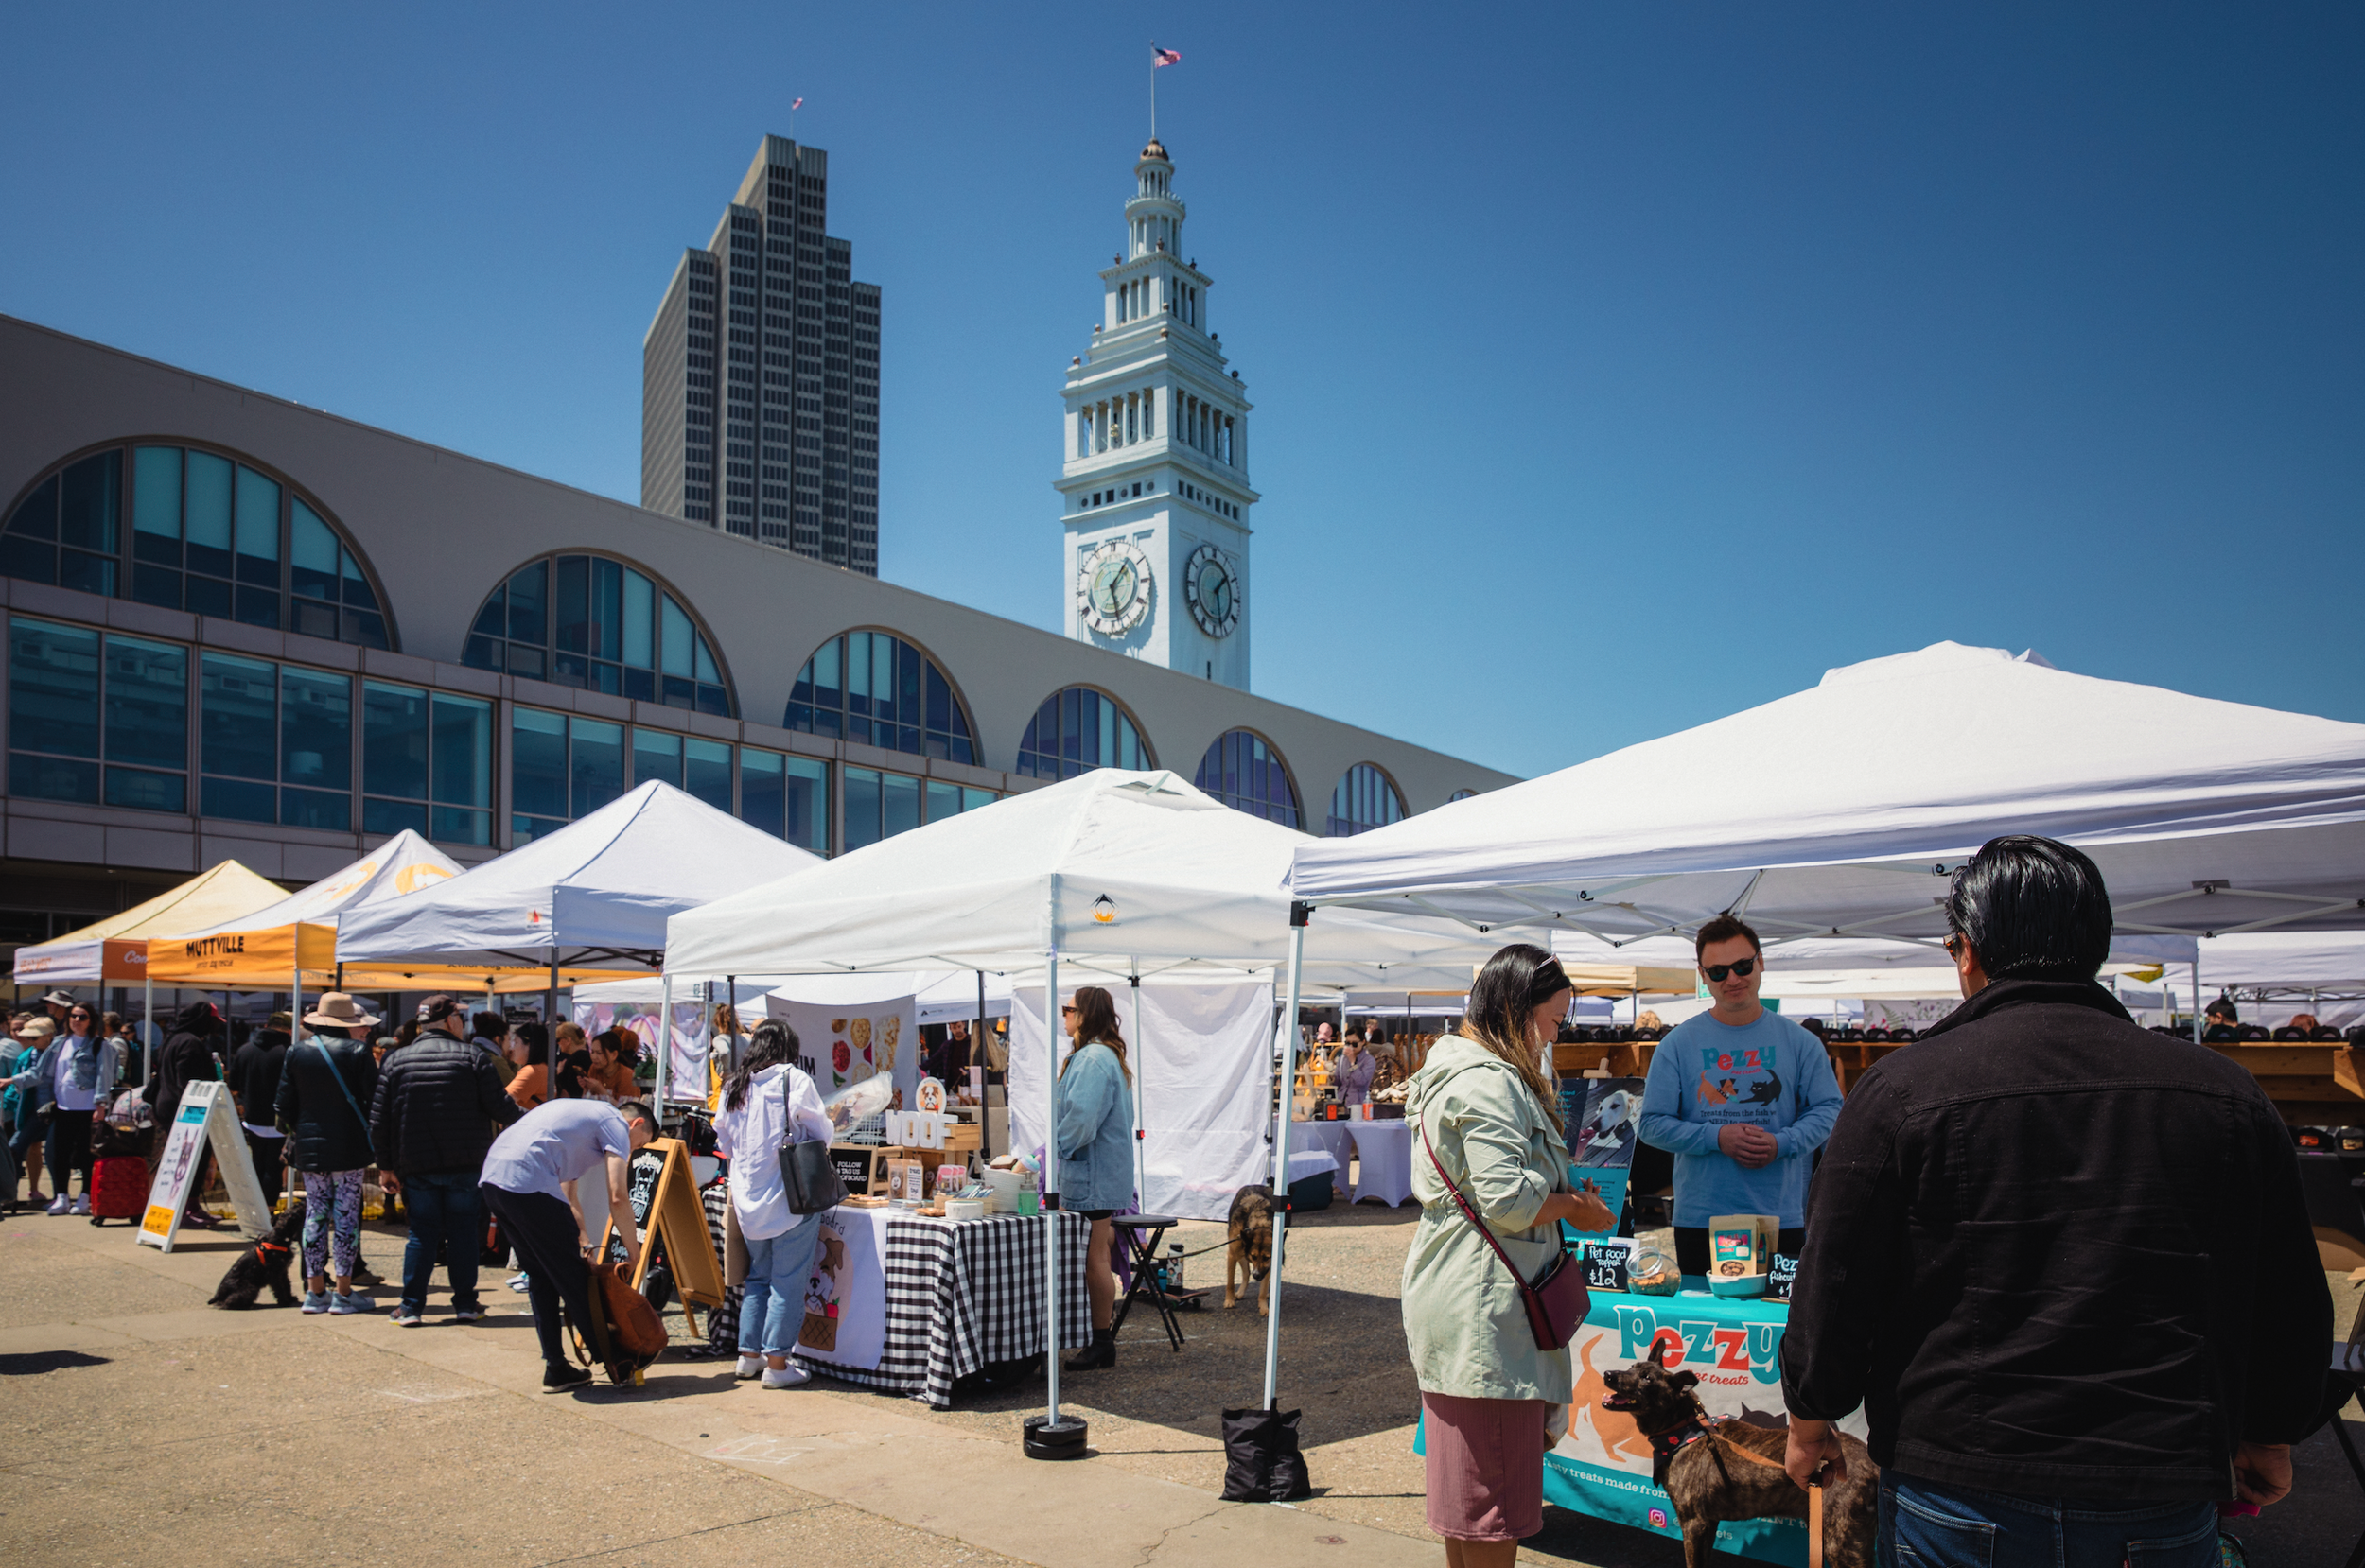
(760, 395)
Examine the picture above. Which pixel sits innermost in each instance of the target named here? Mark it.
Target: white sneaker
(81, 1204)
(60, 1204)
(790, 1376)
(749, 1366)
(517, 1283)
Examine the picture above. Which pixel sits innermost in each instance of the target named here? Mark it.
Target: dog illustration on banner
(825, 1288)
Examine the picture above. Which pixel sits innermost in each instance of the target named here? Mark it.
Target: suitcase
(118, 1188)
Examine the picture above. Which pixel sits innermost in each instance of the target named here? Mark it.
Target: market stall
(2261, 828)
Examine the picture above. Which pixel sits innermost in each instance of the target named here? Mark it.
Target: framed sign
(205, 1117)
(1607, 1262)
(664, 1198)
(1781, 1278)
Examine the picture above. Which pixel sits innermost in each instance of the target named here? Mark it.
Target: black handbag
(807, 1173)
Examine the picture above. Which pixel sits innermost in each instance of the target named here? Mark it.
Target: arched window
(1364, 800)
(1078, 730)
(594, 622)
(192, 528)
(1246, 774)
(1460, 795)
(875, 688)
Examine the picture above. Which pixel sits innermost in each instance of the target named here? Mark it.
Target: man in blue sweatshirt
(1742, 1097)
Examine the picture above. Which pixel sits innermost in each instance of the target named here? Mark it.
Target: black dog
(265, 1263)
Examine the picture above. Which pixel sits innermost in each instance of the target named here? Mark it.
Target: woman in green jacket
(1484, 1102)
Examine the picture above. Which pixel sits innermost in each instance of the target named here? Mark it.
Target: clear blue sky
(1616, 367)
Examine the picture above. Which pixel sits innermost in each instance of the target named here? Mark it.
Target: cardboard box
(1747, 1240)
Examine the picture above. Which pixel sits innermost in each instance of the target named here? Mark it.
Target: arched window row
(1363, 799)
(1078, 730)
(190, 527)
(593, 622)
(875, 688)
(1246, 774)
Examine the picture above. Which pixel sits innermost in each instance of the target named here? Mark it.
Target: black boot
(1103, 1353)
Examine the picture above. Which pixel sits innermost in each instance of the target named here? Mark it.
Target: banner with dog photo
(1603, 1119)
(1602, 1463)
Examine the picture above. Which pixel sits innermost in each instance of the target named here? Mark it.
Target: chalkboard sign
(668, 1209)
(1780, 1278)
(1605, 1263)
(640, 1184)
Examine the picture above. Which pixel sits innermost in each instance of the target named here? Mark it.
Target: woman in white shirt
(768, 1102)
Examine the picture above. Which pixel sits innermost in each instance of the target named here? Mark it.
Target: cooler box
(1312, 1173)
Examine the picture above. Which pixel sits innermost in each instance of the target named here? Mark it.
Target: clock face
(1113, 588)
(1212, 584)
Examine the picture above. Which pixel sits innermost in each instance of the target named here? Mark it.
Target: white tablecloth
(1384, 1154)
(1332, 1137)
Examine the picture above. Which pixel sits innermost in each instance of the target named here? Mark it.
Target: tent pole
(1051, 1019)
(550, 1021)
(738, 1025)
(977, 1055)
(1298, 913)
(148, 1027)
(664, 1041)
(2197, 995)
(1141, 1156)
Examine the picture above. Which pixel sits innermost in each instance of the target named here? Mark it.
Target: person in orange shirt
(610, 1075)
(529, 1048)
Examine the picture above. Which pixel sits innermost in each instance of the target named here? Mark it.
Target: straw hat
(38, 1027)
(339, 1011)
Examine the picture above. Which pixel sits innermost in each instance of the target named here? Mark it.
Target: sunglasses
(1067, 1012)
(1742, 968)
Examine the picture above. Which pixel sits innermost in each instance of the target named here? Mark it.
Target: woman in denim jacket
(1096, 1140)
(70, 1078)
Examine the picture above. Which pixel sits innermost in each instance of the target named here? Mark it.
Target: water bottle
(1174, 1268)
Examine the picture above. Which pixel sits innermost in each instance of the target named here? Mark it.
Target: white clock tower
(1155, 481)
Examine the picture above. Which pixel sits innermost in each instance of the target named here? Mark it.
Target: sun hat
(339, 1010)
(38, 1026)
(59, 999)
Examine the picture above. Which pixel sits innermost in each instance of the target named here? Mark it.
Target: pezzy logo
(1706, 1346)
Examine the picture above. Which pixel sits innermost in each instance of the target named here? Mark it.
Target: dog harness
(1696, 1427)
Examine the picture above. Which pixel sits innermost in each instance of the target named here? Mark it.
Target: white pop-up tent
(590, 900)
(1103, 878)
(2205, 816)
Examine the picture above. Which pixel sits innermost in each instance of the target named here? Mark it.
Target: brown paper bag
(734, 1247)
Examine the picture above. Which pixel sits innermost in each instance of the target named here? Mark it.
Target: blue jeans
(445, 1211)
(1927, 1525)
(772, 1307)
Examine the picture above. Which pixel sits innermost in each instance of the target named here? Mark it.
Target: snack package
(1732, 1253)
(1763, 1234)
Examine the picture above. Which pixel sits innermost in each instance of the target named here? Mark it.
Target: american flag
(1164, 56)
(798, 103)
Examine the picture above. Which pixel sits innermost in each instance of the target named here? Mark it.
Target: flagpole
(1153, 89)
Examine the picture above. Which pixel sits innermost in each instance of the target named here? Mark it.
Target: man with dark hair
(1742, 1097)
(2063, 1261)
(439, 1102)
(530, 1184)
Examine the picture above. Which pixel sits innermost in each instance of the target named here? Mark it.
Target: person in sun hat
(324, 1085)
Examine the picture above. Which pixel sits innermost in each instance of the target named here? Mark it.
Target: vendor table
(950, 1297)
(1602, 1465)
(1385, 1149)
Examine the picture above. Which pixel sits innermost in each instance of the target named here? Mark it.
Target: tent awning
(115, 949)
(262, 949)
(2204, 816)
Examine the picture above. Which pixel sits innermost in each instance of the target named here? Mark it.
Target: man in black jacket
(439, 1105)
(2063, 1262)
(254, 1078)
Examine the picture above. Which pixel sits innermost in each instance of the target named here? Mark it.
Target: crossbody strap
(1469, 1213)
(355, 1105)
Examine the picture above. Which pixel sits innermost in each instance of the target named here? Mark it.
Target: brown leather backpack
(634, 1332)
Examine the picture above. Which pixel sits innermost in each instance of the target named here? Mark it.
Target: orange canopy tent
(115, 949)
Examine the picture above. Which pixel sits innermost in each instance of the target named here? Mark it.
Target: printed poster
(841, 1043)
(845, 1320)
(1603, 1133)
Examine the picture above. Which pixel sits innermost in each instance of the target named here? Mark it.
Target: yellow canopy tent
(116, 948)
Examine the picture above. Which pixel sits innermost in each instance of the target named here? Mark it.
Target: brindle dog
(1735, 1471)
(1250, 1226)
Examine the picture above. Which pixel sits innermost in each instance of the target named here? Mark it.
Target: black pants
(271, 1164)
(1691, 1246)
(69, 1148)
(542, 1231)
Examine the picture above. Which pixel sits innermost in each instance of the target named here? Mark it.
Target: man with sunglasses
(1742, 1097)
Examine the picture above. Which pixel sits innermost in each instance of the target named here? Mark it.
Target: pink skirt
(1485, 1466)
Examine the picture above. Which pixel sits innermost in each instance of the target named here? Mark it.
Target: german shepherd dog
(1734, 1470)
(1250, 1227)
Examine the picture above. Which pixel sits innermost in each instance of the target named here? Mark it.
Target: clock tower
(1155, 478)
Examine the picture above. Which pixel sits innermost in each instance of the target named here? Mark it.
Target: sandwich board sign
(664, 1196)
(206, 1116)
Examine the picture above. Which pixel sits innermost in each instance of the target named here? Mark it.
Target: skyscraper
(760, 377)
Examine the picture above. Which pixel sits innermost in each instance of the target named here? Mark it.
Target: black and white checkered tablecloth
(960, 1296)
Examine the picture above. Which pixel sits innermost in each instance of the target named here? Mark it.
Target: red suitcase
(118, 1188)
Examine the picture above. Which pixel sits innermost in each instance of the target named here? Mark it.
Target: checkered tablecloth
(960, 1296)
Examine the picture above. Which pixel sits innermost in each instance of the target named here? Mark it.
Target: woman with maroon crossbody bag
(1488, 1306)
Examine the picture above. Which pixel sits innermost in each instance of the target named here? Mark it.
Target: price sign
(1607, 1262)
(1780, 1277)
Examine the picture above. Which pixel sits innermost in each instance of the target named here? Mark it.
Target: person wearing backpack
(439, 1104)
(323, 1084)
(768, 1101)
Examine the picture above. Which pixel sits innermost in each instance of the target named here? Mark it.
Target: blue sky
(1616, 367)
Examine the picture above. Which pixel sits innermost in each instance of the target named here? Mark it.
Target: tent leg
(977, 1056)
(1298, 913)
(664, 1042)
(550, 1021)
(2197, 997)
(1141, 1153)
(148, 1028)
(730, 994)
(1051, 1179)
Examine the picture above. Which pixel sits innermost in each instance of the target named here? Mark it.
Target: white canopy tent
(592, 896)
(2205, 816)
(1103, 878)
